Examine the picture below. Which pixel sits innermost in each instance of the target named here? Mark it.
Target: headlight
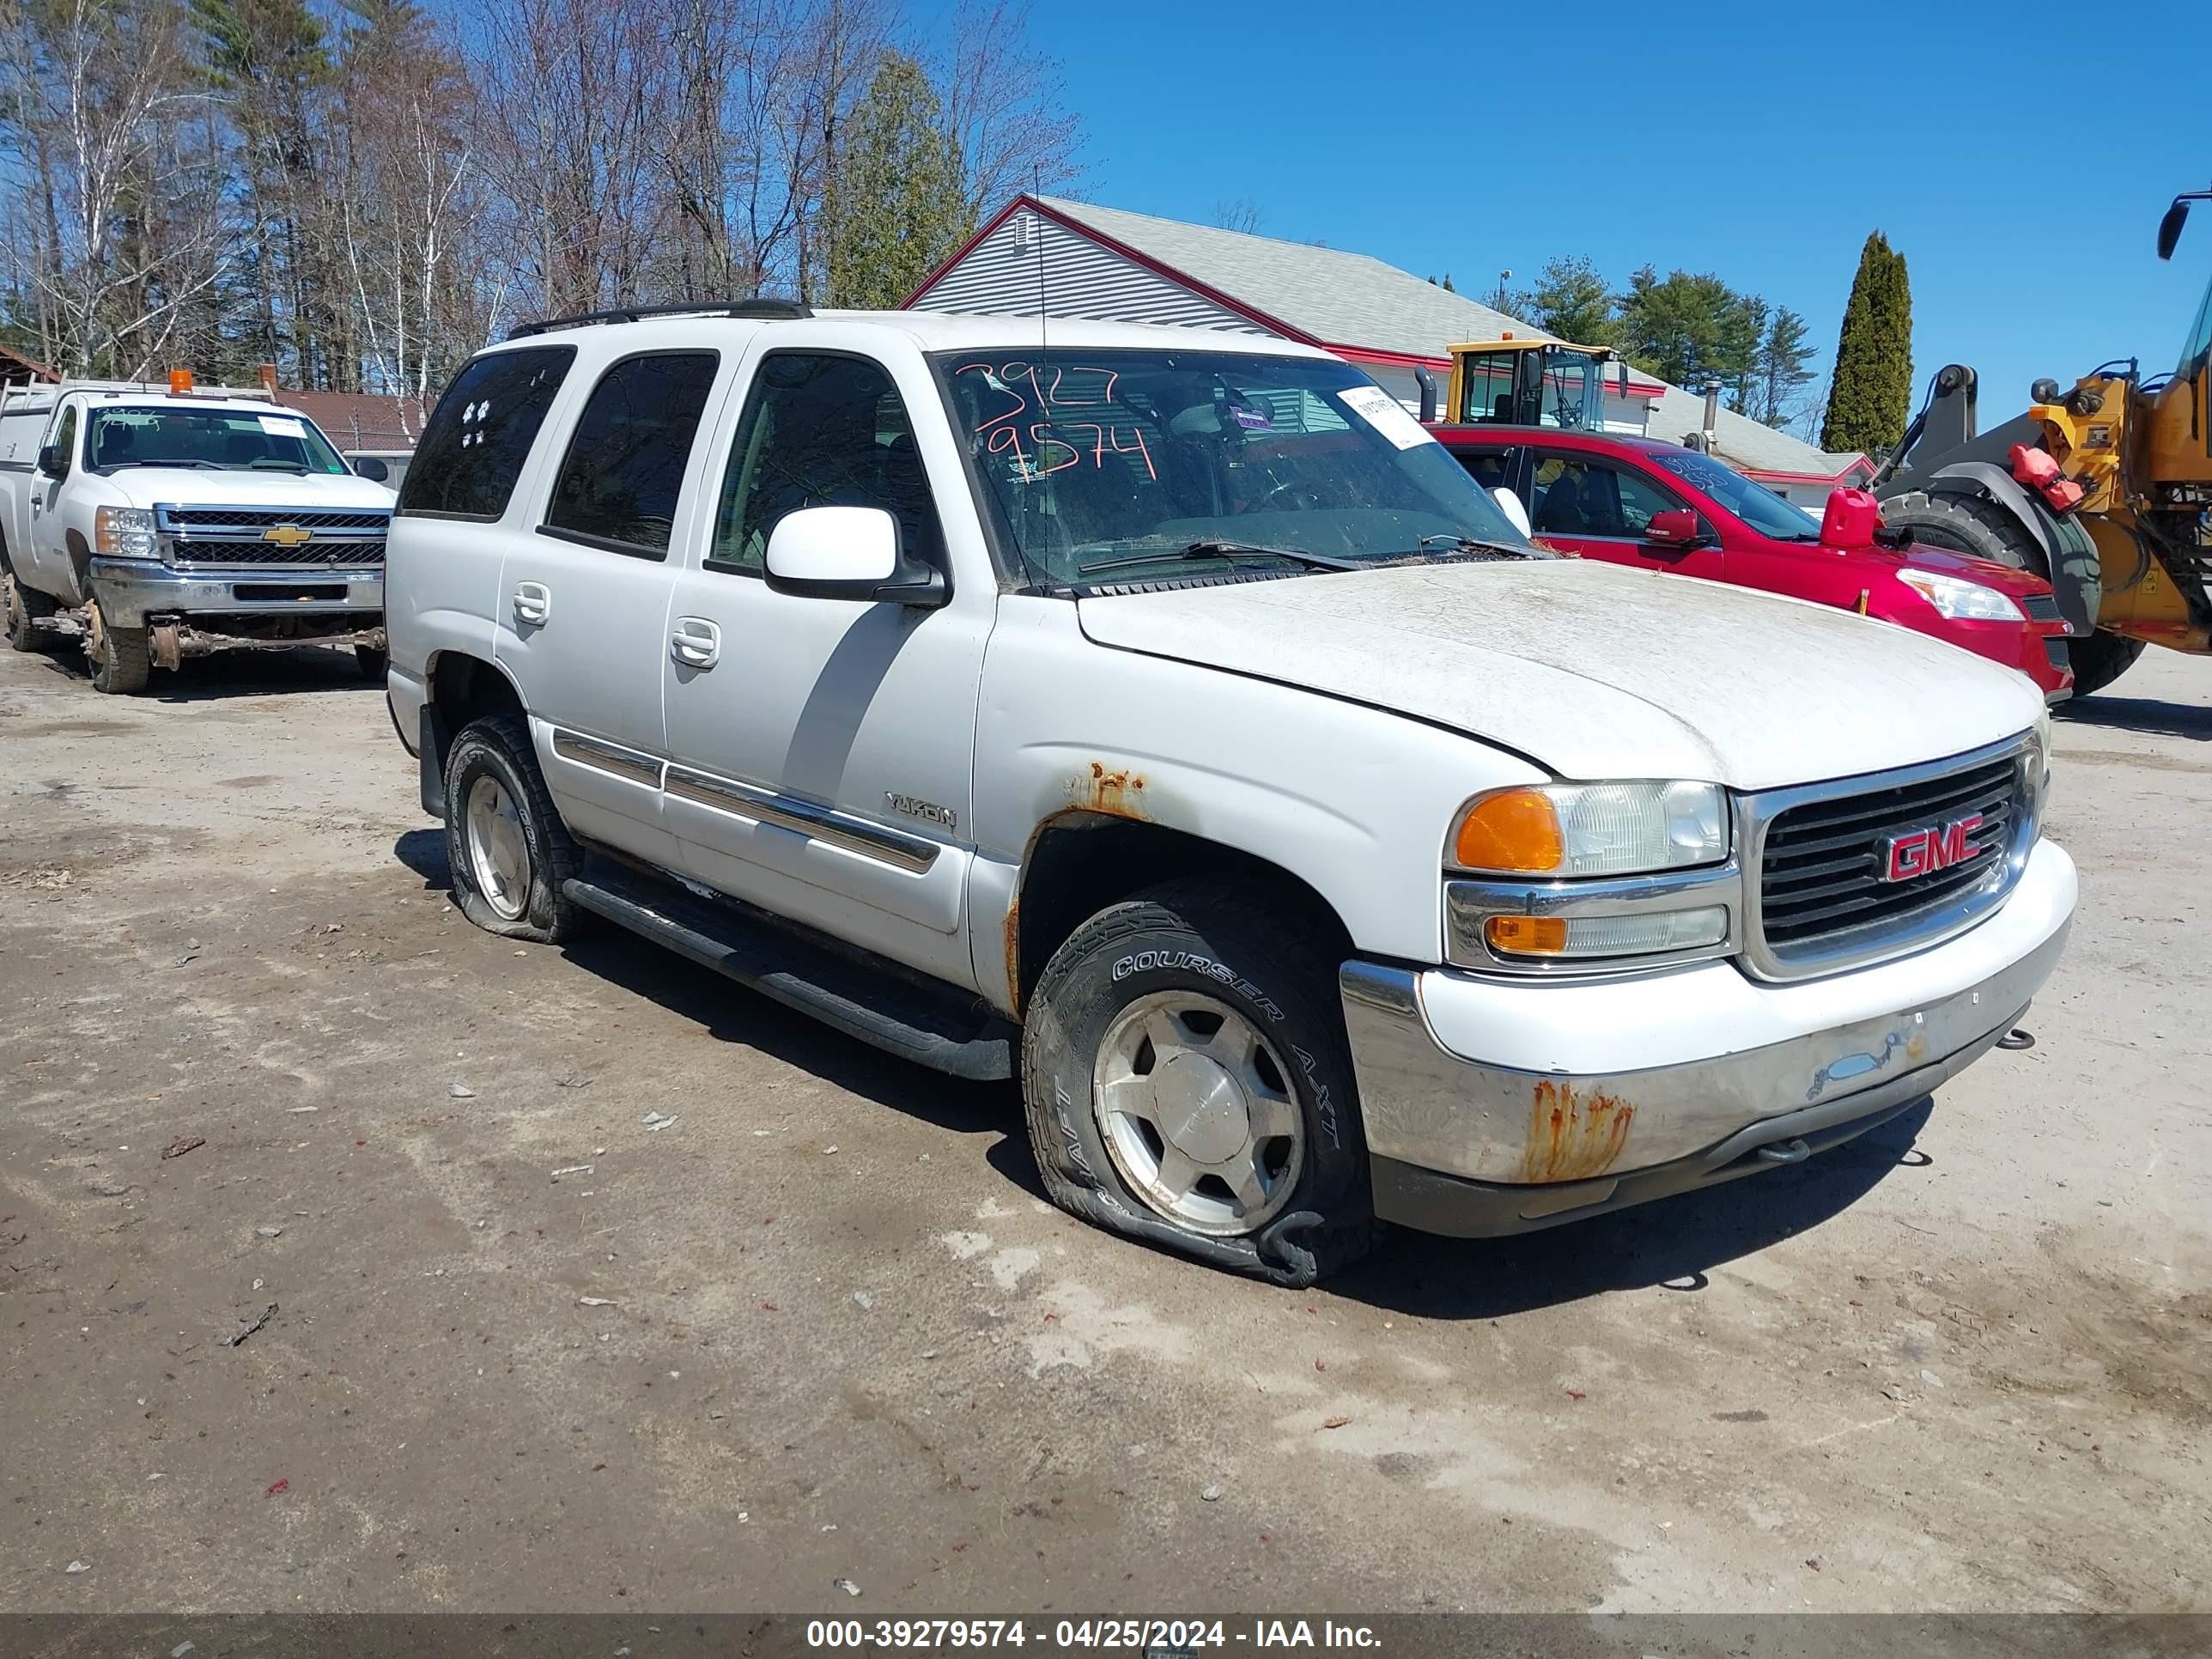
(1959, 599)
(1592, 830)
(124, 533)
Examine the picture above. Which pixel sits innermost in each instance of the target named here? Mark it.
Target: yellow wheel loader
(2102, 490)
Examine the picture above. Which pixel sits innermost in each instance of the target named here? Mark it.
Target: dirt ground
(528, 1353)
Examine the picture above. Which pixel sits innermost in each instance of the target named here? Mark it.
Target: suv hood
(192, 486)
(1594, 670)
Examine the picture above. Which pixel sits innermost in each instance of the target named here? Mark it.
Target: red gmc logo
(1923, 852)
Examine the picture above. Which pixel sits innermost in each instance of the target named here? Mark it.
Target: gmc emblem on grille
(1923, 852)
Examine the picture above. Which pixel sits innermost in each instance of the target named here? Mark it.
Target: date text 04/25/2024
(1157, 1638)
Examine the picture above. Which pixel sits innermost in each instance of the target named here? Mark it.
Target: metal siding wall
(998, 278)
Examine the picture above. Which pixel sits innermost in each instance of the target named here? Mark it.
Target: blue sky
(2020, 157)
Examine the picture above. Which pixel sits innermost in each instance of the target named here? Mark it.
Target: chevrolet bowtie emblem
(287, 535)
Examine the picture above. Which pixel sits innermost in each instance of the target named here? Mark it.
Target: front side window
(64, 442)
(1491, 468)
(478, 439)
(224, 439)
(821, 430)
(1755, 504)
(1093, 463)
(1580, 495)
(624, 468)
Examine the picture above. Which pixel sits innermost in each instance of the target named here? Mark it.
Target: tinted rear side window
(474, 447)
(617, 489)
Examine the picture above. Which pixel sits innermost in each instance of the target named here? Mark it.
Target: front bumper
(1495, 1108)
(129, 591)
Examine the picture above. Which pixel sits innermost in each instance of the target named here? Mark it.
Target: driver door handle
(533, 604)
(695, 642)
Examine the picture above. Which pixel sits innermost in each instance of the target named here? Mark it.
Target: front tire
(122, 658)
(373, 661)
(506, 850)
(1186, 1082)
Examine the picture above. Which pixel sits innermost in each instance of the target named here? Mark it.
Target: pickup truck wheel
(372, 661)
(122, 658)
(1187, 1083)
(506, 850)
(25, 608)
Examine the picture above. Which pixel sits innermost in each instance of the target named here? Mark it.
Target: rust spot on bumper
(1574, 1134)
(1118, 793)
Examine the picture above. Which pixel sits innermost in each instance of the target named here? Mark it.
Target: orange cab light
(1528, 936)
(180, 382)
(1515, 829)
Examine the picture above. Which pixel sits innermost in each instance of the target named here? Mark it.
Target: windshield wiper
(155, 460)
(1489, 550)
(1210, 548)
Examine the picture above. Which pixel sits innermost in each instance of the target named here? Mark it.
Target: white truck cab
(180, 520)
(1162, 719)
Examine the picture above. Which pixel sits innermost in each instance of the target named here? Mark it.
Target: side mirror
(1676, 527)
(50, 462)
(1509, 505)
(2169, 229)
(369, 467)
(849, 553)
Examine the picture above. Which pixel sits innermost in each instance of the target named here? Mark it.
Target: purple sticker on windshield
(1251, 419)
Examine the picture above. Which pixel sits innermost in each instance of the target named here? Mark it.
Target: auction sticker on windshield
(277, 427)
(1385, 414)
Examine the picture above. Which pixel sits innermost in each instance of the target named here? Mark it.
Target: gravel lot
(821, 1328)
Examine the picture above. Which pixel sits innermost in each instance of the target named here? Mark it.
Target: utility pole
(1504, 277)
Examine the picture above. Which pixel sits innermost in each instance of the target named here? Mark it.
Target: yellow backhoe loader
(2102, 490)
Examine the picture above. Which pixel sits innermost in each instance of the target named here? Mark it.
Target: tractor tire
(1977, 526)
(2100, 659)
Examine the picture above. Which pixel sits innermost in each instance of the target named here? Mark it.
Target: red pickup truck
(1658, 506)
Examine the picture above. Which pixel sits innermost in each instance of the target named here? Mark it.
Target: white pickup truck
(1164, 720)
(180, 520)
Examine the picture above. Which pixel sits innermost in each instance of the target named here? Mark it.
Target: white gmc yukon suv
(181, 522)
(1162, 719)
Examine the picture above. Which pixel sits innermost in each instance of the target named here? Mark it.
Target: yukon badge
(927, 811)
(1923, 852)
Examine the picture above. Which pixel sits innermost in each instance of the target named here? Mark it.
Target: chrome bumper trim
(1423, 1105)
(130, 590)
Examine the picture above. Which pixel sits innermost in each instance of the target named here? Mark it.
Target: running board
(946, 1030)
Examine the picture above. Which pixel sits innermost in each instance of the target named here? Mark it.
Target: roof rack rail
(778, 310)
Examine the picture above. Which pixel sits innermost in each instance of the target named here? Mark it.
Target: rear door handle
(695, 642)
(533, 602)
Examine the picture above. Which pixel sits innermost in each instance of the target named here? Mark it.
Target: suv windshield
(228, 439)
(1097, 462)
(1756, 505)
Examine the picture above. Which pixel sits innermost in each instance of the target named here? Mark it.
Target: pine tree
(1571, 300)
(1871, 394)
(895, 206)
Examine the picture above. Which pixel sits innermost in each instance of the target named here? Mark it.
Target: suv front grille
(1826, 898)
(2041, 607)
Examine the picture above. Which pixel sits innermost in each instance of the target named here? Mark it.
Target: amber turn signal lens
(1515, 829)
(1528, 936)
